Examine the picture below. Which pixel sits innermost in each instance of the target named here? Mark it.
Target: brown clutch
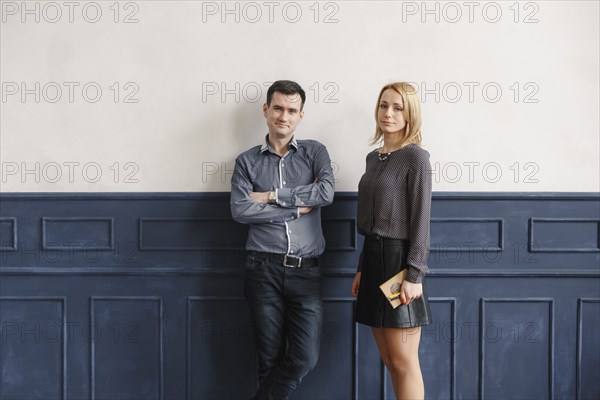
(391, 288)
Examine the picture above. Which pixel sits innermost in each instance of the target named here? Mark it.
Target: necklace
(383, 156)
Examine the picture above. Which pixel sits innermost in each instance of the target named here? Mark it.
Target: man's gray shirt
(303, 177)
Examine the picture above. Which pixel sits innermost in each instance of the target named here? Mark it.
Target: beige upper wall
(509, 90)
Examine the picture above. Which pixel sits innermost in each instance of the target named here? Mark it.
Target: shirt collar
(266, 146)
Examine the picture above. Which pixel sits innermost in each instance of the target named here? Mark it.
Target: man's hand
(259, 197)
(263, 197)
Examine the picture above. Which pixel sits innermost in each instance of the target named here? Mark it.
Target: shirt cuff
(414, 275)
(284, 197)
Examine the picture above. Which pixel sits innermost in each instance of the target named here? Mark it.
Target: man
(278, 188)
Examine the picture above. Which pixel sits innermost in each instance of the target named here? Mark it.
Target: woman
(394, 203)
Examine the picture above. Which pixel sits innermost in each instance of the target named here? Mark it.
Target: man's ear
(265, 108)
(301, 114)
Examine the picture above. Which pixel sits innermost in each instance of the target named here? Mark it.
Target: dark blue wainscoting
(139, 296)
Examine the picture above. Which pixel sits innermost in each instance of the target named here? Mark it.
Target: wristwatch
(272, 197)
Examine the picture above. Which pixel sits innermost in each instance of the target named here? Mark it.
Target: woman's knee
(386, 360)
(401, 364)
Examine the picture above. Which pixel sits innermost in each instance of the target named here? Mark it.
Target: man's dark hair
(286, 87)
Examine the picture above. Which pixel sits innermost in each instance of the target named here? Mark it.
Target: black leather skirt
(382, 259)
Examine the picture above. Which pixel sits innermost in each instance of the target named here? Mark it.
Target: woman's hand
(410, 291)
(355, 284)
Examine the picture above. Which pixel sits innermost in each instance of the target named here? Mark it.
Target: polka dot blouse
(394, 201)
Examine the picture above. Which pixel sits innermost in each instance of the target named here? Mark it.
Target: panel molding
(182, 268)
(63, 303)
(453, 340)
(241, 299)
(353, 234)
(349, 300)
(188, 333)
(92, 366)
(551, 339)
(147, 249)
(48, 246)
(213, 220)
(533, 248)
(143, 247)
(482, 249)
(14, 245)
(579, 349)
(453, 318)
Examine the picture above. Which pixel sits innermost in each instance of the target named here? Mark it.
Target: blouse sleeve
(419, 207)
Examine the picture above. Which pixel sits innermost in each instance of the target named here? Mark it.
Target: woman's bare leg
(399, 350)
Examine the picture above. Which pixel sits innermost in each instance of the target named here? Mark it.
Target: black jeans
(287, 311)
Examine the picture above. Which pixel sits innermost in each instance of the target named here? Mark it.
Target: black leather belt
(286, 260)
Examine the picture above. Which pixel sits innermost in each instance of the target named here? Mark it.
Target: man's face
(284, 114)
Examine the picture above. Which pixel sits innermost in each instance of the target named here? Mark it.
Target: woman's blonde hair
(412, 113)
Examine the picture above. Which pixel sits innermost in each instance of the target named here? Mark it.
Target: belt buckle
(285, 259)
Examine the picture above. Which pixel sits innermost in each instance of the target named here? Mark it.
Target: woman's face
(390, 112)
